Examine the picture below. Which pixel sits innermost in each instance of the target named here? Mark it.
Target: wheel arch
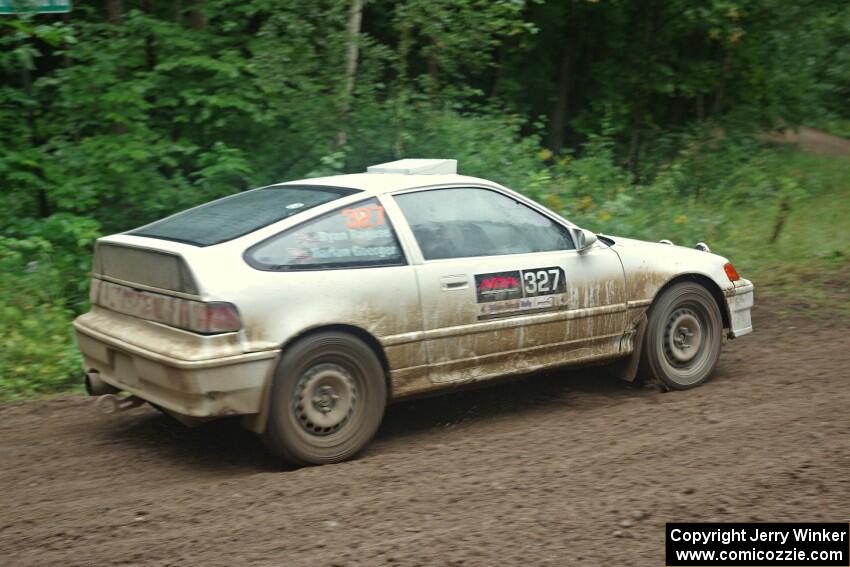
(628, 368)
(371, 341)
(706, 282)
(257, 422)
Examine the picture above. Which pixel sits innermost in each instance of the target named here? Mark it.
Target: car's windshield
(236, 215)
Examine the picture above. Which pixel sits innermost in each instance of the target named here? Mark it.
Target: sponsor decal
(498, 286)
(505, 293)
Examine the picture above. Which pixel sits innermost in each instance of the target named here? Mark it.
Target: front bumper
(739, 300)
(187, 373)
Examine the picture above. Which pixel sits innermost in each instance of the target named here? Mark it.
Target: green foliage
(38, 351)
(689, 199)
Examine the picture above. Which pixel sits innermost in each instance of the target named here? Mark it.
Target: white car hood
(663, 250)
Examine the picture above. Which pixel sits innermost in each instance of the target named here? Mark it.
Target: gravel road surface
(566, 468)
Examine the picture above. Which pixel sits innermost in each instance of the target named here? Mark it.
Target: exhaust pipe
(110, 403)
(97, 387)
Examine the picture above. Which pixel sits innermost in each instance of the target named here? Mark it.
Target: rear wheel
(327, 399)
(683, 337)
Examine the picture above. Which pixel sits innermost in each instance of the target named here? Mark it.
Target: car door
(502, 288)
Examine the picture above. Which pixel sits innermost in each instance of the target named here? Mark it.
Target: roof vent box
(416, 167)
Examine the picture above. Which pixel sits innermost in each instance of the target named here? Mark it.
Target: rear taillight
(731, 272)
(197, 316)
(215, 317)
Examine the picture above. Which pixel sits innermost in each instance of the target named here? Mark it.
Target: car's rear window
(236, 215)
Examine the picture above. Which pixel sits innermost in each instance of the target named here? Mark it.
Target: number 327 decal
(518, 284)
(543, 282)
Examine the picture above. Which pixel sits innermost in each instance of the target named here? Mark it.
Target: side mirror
(582, 238)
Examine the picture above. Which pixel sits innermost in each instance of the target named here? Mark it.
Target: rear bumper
(189, 374)
(739, 300)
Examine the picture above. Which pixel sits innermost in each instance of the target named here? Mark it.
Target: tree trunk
(634, 147)
(781, 217)
(721, 84)
(558, 114)
(642, 95)
(67, 60)
(115, 12)
(560, 109)
(404, 44)
(497, 70)
(433, 73)
(150, 51)
(352, 53)
(41, 191)
(43, 204)
(196, 15)
(674, 110)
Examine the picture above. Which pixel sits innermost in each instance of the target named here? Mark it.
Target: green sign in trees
(34, 6)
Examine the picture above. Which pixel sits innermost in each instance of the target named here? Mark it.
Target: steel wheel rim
(683, 337)
(325, 399)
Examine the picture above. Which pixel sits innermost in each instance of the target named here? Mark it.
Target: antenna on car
(416, 167)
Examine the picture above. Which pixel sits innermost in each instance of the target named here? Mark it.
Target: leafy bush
(693, 197)
(38, 352)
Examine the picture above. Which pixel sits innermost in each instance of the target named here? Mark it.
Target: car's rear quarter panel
(278, 307)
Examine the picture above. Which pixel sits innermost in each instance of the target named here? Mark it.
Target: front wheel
(683, 337)
(327, 399)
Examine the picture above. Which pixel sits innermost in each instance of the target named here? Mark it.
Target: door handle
(450, 283)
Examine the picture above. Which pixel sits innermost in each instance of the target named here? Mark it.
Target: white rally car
(307, 306)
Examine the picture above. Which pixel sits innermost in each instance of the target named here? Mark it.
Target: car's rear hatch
(154, 332)
(146, 299)
(156, 285)
(144, 268)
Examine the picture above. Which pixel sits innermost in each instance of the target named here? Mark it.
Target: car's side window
(465, 222)
(355, 236)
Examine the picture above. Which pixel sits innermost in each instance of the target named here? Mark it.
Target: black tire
(327, 399)
(683, 336)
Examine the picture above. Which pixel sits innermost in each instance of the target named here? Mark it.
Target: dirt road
(812, 140)
(562, 469)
